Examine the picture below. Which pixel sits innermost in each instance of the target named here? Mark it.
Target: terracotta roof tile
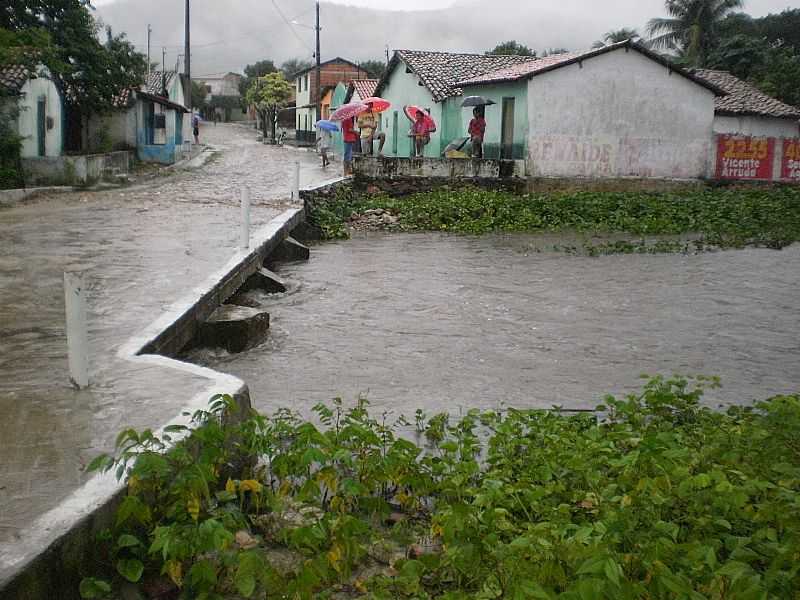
(440, 71)
(365, 87)
(153, 84)
(13, 77)
(745, 99)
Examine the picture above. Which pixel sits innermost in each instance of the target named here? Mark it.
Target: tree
(269, 94)
(88, 74)
(292, 66)
(553, 51)
(616, 36)
(512, 47)
(254, 71)
(199, 94)
(692, 28)
(374, 68)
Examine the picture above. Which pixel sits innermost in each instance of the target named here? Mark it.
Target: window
(299, 85)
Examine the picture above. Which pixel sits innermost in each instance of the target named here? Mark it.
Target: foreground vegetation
(658, 498)
(719, 218)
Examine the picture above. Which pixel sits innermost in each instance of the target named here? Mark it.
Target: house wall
(494, 113)
(402, 89)
(117, 128)
(619, 114)
(167, 152)
(27, 120)
(756, 126)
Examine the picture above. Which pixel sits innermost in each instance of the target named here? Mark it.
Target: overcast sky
(228, 34)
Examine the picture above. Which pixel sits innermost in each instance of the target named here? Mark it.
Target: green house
(428, 80)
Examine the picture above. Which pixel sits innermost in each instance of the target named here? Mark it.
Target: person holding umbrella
(367, 124)
(421, 130)
(476, 130)
(349, 138)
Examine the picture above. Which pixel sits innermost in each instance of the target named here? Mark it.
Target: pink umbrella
(378, 104)
(347, 111)
(411, 112)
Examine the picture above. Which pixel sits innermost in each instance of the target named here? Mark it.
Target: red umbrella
(411, 112)
(348, 111)
(378, 104)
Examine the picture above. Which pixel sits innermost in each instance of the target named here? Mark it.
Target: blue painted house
(159, 132)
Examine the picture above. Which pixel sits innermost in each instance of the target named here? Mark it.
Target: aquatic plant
(717, 217)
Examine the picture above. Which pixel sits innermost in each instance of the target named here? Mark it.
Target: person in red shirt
(477, 129)
(421, 131)
(350, 138)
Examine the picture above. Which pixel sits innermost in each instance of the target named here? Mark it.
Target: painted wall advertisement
(741, 157)
(790, 165)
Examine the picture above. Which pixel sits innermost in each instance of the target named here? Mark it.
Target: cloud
(227, 36)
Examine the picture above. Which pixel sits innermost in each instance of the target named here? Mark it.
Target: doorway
(41, 124)
(507, 130)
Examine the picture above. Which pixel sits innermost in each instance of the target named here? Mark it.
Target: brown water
(442, 322)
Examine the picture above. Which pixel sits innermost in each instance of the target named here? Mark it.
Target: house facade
(756, 136)
(159, 133)
(39, 110)
(616, 111)
(225, 89)
(332, 72)
(429, 80)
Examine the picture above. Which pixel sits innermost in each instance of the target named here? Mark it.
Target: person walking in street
(421, 131)
(196, 128)
(350, 138)
(477, 130)
(324, 144)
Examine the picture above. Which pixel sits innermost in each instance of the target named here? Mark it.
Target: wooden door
(41, 124)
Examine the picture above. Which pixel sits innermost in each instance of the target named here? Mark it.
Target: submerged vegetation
(707, 218)
(653, 496)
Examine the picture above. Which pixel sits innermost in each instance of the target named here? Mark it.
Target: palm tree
(691, 28)
(615, 36)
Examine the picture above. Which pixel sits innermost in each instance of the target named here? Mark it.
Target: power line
(289, 24)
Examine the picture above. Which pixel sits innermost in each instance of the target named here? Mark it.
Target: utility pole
(319, 88)
(149, 31)
(187, 92)
(387, 55)
(163, 89)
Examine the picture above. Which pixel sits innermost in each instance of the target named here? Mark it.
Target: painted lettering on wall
(790, 165)
(574, 155)
(740, 157)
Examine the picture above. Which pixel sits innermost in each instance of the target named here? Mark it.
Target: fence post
(244, 238)
(77, 336)
(296, 182)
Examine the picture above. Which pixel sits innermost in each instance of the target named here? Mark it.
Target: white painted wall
(303, 116)
(120, 126)
(620, 114)
(31, 92)
(757, 126)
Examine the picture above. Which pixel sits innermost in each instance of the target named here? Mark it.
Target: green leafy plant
(652, 495)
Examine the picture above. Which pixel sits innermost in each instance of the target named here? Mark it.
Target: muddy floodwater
(443, 322)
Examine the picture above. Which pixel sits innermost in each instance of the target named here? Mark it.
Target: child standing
(324, 145)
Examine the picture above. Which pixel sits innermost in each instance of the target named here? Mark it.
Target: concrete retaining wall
(9, 197)
(75, 169)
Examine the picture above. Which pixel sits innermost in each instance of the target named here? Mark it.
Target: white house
(617, 111)
(40, 110)
(757, 136)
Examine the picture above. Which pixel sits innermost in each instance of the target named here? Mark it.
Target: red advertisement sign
(790, 165)
(741, 157)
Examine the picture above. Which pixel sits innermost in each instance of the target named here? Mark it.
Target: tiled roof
(534, 67)
(153, 84)
(13, 77)
(744, 99)
(364, 87)
(440, 71)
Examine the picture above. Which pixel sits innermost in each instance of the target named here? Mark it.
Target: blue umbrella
(327, 125)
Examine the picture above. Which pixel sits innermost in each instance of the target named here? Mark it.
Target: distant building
(224, 97)
(39, 109)
(332, 72)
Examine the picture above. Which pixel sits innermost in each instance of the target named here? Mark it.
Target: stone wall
(69, 170)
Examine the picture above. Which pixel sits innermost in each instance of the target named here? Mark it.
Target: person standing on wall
(477, 129)
(367, 123)
(350, 138)
(421, 132)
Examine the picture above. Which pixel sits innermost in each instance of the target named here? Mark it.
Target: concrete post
(77, 336)
(244, 238)
(296, 182)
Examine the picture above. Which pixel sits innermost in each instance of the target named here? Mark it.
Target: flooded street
(442, 322)
(143, 248)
